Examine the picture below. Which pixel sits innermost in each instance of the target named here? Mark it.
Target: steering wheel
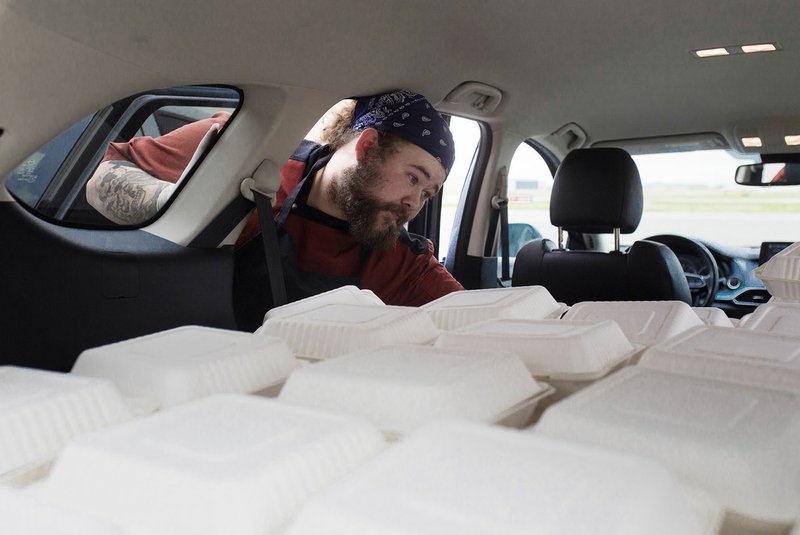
(699, 266)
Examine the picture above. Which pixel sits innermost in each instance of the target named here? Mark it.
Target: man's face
(379, 196)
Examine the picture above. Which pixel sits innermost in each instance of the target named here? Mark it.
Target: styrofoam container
(400, 388)
(40, 411)
(713, 316)
(179, 365)
(643, 322)
(781, 273)
(738, 355)
(224, 464)
(777, 318)
(23, 514)
(472, 479)
(462, 308)
(737, 443)
(346, 295)
(335, 330)
(551, 349)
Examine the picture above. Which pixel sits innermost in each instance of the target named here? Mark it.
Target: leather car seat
(597, 191)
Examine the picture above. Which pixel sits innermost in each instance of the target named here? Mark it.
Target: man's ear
(367, 141)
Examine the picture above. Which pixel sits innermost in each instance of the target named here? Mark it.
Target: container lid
(557, 349)
(335, 330)
(738, 355)
(643, 322)
(737, 443)
(186, 363)
(713, 316)
(468, 478)
(462, 308)
(785, 265)
(346, 295)
(40, 411)
(776, 318)
(400, 388)
(223, 464)
(24, 514)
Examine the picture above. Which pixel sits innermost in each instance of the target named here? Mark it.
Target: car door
(73, 280)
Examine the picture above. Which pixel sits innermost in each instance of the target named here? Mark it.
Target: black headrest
(597, 190)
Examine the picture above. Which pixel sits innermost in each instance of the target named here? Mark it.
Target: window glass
(53, 180)
(694, 194)
(529, 185)
(467, 137)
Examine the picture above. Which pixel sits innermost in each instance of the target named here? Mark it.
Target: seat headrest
(597, 190)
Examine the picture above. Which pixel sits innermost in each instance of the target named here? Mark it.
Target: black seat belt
(269, 236)
(500, 204)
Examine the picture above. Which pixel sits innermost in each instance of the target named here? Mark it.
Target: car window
(530, 182)
(467, 138)
(693, 193)
(52, 180)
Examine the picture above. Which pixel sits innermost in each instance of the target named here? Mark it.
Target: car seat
(595, 191)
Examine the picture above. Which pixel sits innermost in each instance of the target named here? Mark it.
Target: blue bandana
(411, 117)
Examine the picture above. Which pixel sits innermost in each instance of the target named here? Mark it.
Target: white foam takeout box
(172, 367)
(643, 322)
(466, 307)
(40, 411)
(781, 273)
(468, 478)
(737, 443)
(400, 388)
(566, 354)
(738, 355)
(335, 330)
(223, 464)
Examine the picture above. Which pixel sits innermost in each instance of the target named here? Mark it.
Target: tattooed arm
(125, 194)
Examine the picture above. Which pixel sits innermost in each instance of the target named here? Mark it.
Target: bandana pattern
(411, 117)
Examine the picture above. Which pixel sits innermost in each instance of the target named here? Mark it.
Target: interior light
(751, 141)
(711, 52)
(792, 140)
(766, 47)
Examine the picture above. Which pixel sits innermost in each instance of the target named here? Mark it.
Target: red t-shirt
(408, 274)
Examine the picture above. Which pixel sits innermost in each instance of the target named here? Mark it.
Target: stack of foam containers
(781, 274)
(737, 443)
(643, 322)
(400, 388)
(567, 354)
(40, 411)
(777, 318)
(23, 514)
(466, 478)
(223, 464)
(466, 307)
(740, 355)
(172, 367)
(345, 295)
(335, 330)
(713, 316)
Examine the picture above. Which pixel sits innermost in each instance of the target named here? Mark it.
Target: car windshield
(693, 194)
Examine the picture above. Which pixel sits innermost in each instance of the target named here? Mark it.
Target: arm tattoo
(127, 194)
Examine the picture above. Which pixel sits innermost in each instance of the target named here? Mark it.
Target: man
(340, 208)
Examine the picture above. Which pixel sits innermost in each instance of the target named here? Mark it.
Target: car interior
(614, 151)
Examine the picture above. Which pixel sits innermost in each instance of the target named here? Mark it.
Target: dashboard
(739, 291)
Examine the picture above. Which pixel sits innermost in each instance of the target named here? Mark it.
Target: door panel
(65, 290)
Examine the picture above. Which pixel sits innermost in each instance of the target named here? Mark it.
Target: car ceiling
(619, 68)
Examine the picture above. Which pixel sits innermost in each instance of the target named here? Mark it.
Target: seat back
(599, 191)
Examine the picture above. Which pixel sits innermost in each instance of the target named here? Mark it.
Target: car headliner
(618, 68)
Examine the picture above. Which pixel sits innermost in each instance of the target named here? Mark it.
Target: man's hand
(125, 194)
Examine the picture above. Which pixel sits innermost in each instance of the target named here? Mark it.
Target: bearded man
(341, 207)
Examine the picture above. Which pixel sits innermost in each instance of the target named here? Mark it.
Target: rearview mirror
(768, 174)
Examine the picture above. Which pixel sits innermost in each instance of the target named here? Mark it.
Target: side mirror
(768, 174)
(518, 235)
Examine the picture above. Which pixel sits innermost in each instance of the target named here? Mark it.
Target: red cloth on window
(404, 275)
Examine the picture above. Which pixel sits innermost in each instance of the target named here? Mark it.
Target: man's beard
(371, 220)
